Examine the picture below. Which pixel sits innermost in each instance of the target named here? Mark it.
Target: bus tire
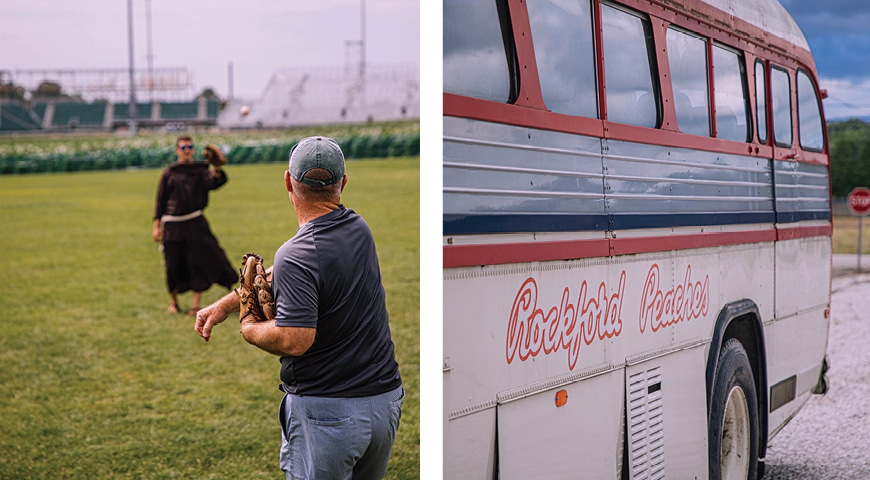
(733, 423)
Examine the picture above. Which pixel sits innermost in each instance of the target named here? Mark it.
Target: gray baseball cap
(316, 152)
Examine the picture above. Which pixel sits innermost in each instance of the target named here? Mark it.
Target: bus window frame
(508, 49)
(652, 60)
(791, 107)
(534, 113)
(765, 91)
(594, 40)
(818, 98)
(744, 85)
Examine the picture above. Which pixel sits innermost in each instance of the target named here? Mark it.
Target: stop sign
(859, 201)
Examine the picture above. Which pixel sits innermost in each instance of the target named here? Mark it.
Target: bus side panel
(747, 272)
(516, 334)
(667, 417)
(650, 186)
(488, 361)
(797, 340)
(507, 179)
(580, 439)
(469, 452)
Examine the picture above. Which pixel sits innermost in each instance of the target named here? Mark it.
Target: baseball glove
(214, 155)
(255, 291)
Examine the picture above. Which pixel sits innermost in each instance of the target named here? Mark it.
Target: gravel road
(830, 438)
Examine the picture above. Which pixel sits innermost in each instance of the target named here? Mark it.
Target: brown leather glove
(214, 155)
(255, 291)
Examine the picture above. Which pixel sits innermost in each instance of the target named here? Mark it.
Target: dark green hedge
(378, 146)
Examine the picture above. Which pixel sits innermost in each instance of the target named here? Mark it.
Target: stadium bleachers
(64, 115)
(179, 111)
(122, 111)
(314, 96)
(293, 97)
(79, 115)
(15, 118)
(39, 110)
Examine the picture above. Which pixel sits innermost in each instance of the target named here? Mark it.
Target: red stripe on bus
(628, 246)
(804, 232)
(518, 252)
(501, 253)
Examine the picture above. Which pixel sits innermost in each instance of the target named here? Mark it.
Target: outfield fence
(357, 146)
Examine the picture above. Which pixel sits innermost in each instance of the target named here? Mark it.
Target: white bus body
(629, 292)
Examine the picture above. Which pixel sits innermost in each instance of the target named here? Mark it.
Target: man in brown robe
(193, 258)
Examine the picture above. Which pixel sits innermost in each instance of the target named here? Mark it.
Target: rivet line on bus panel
(705, 166)
(535, 171)
(523, 193)
(518, 146)
(549, 267)
(477, 407)
(561, 381)
(644, 357)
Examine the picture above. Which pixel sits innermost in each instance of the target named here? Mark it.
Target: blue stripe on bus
(790, 217)
(471, 224)
(671, 220)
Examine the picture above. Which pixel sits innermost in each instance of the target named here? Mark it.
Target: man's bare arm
(277, 340)
(215, 313)
(218, 311)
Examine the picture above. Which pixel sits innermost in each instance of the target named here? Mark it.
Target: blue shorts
(338, 438)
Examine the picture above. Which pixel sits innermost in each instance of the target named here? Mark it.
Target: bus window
(809, 116)
(728, 81)
(565, 54)
(687, 57)
(475, 59)
(780, 100)
(627, 40)
(761, 101)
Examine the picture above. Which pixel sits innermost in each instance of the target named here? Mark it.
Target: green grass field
(845, 238)
(97, 381)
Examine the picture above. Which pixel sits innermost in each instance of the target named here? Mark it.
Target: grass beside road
(98, 382)
(845, 239)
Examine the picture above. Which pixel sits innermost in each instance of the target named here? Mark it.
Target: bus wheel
(733, 428)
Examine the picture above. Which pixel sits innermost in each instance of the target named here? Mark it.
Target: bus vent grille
(645, 425)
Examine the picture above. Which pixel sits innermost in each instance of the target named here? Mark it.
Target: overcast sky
(839, 37)
(204, 36)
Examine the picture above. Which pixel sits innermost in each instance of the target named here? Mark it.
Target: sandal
(173, 308)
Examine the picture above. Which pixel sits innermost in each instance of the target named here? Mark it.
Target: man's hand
(215, 313)
(157, 232)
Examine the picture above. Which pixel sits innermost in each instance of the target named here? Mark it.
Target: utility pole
(230, 80)
(131, 121)
(362, 36)
(150, 56)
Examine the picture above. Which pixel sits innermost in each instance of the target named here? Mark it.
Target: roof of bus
(769, 15)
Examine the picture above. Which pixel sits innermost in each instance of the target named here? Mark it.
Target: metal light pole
(230, 80)
(150, 56)
(362, 44)
(131, 122)
(362, 35)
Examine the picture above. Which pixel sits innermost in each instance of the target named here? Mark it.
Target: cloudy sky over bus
(205, 36)
(840, 41)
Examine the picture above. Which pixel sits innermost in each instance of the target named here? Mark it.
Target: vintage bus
(636, 237)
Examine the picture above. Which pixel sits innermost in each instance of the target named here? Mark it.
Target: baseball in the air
(245, 110)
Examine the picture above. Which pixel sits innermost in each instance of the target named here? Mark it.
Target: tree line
(849, 143)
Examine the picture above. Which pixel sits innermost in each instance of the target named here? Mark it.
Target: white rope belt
(180, 218)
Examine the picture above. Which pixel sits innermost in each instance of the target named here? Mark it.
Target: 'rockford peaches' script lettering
(684, 302)
(564, 327)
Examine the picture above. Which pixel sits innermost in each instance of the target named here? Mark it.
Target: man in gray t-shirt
(327, 277)
(343, 393)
